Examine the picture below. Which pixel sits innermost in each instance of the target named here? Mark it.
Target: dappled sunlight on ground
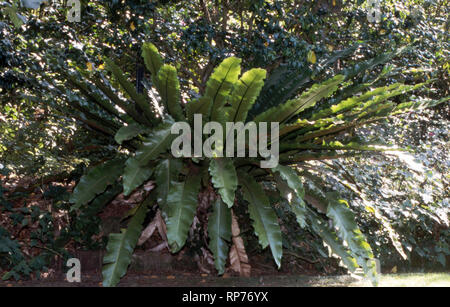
(206, 280)
(410, 280)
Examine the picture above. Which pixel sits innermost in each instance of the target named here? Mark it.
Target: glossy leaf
(245, 92)
(129, 132)
(265, 222)
(224, 178)
(217, 90)
(156, 143)
(120, 248)
(348, 231)
(134, 175)
(297, 205)
(166, 172)
(292, 179)
(96, 181)
(307, 99)
(219, 232)
(169, 89)
(152, 58)
(181, 206)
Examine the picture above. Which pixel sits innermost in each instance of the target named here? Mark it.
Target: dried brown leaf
(147, 232)
(238, 256)
(157, 223)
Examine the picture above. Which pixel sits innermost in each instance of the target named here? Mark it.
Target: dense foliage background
(401, 199)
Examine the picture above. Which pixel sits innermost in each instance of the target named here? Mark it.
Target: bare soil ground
(204, 280)
(188, 280)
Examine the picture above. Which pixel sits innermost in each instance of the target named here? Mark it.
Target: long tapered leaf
(156, 143)
(129, 88)
(219, 232)
(349, 232)
(265, 222)
(245, 92)
(134, 175)
(166, 172)
(120, 248)
(181, 206)
(128, 132)
(307, 99)
(107, 90)
(375, 96)
(336, 145)
(292, 179)
(101, 200)
(168, 87)
(217, 90)
(364, 66)
(284, 82)
(418, 105)
(330, 238)
(92, 93)
(152, 58)
(96, 181)
(224, 178)
(297, 205)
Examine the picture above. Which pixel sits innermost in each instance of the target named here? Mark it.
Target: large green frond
(219, 232)
(129, 132)
(129, 88)
(152, 58)
(224, 178)
(217, 90)
(245, 92)
(156, 143)
(168, 87)
(181, 207)
(96, 181)
(330, 238)
(134, 175)
(307, 99)
(349, 232)
(166, 172)
(265, 221)
(120, 248)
